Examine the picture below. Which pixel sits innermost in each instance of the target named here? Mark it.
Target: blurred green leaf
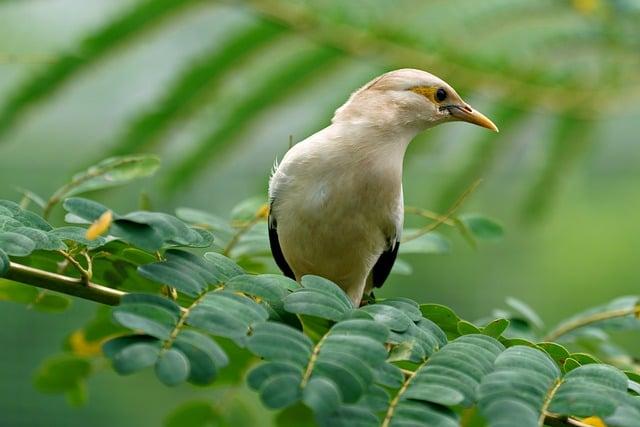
(482, 227)
(430, 243)
(193, 414)
(140, 18)
(61, 374)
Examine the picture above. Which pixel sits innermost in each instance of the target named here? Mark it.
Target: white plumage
(336, 197)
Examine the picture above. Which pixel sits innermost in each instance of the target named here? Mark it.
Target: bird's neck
(367, 140)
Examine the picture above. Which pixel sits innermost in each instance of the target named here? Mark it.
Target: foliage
(508, 49)
(218, 318)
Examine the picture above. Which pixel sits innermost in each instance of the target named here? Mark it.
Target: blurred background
(218, 89)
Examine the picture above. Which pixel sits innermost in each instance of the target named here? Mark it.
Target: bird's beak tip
(467, 114)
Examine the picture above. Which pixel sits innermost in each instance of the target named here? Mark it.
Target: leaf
(515, 393)
(496, 328)
(590, 390)
(524, 312)
(205, 356)
(39, 300)
(172, 368)
(134, 22)
(321, 395)
(15, 244)
(227, 314)
(135, 357)
(195, 84)
(146, 230)
(78, 235)
(151, 318)
(192, 414)
(4, 263)
(272, 87)
(318, 297)
(225, 267)
(429, 243)
(482, 227)
(112, 172)
(186, 272)
(280, 391)
(339, 368)
(442, 316)
(61, 374)
(452, 375)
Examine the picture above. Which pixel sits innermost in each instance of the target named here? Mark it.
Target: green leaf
(442, 316)
(78, 235)
(321, 395)
(42, 240)
(205, 356)
(172, 368)
(225, 268)
(152, 319)
(227, 314)
(61, 374)
(112, 172)
(134, 22)
(4, 263)
(514, 394)
(184, 271)
(194, 86)
(430, 243)
(280, 391)
(271, 88)
(275, 341)
(192, 414)
(466, 328)
(496, 328)
(590, 390)
(482, 227)
(570, 364)
(135, 357)
(318, 297)
(50, 303)
(556, 351)
(15, 244)
(524, 312)
(452, 375)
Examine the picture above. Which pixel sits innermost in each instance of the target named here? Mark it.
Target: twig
(394, 403)
(63, 284)
(85, 273)
(588, 320)
(456, 205)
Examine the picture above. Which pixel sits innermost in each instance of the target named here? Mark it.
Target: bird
(336, 207)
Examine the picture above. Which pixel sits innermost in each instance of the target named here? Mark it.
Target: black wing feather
(276, 250)
(383, 266)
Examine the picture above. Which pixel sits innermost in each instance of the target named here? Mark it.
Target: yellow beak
(467, 114)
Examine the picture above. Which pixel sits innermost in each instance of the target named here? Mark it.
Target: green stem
(588, 320)
(76, 287)
(442, 220)
(396, 400)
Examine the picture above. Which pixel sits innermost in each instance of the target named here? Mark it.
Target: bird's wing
(276, 250)
(383, 266)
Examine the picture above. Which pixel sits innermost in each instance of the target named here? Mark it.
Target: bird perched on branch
(336, 206)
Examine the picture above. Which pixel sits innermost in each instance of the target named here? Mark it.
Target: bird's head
(408, 98)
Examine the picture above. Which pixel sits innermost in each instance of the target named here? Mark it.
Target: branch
(67, 285)
(588, 320)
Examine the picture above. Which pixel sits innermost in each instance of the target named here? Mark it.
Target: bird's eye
(441, 95)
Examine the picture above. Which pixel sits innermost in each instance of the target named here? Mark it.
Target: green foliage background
(217, 88)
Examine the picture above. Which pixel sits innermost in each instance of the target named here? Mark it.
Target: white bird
(336, 205)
